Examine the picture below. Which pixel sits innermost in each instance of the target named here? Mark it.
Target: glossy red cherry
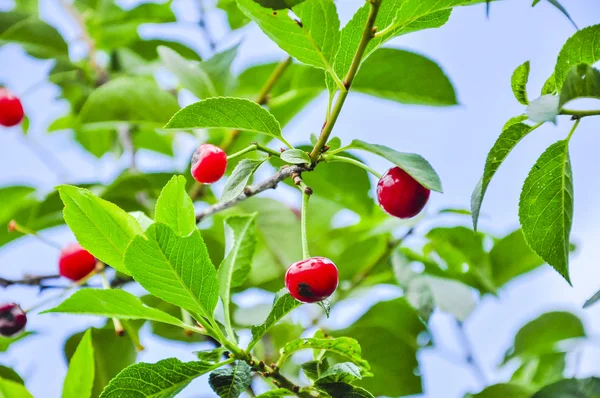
(209, 163)
(11, 110)
(312, 280)
(12, 319)
(75, 262)
(401, 195)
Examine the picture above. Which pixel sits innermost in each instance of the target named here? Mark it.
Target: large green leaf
(571, 388)
(283, 304)
(35, 36)
(314, 40)
(145, 104)
(101, 227)
(111, 304)
(518, 82)
(231, 382)
(392, 355)
(511, 135)
(80, 376)
(582, 48)
(10, 389)
(503, 390)
(544, 334)
(174, 207)
(546, 207)
(413, 164)
(238, 180)
(404, 77)
(511, 256)
(225, 112)
(175, 269)
(163, 379)
(343, 346)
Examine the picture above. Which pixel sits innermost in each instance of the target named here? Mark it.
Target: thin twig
(470, 353)
(250, 191)
(28, 280)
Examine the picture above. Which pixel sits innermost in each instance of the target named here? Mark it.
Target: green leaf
(544, 335)
(238, 180)
(450, 296)
(345, 372)
(592, 300)
(229, 113)
(80, 376)
(549, 86)
(145, 104)
(283, 304)
(543, 109)
(314, 369)
(571, 388)
(153, 140)
(546, 207)
(36, 37)
(343, 346)
(556, 4)
(206, 79)
(231, 382)
(511, 135)
(167, 330)
(7, 373)
(413, 164)
(174, 207)
(235, 16)
(538, 372)
(295, 156)
(502, 391)
(518, 82)
(398, 325)
(511, 256)
(163, 379)
(581, 82)
(404, 77)
(10, 389)
(581, 48)
(279, 4)
(100, 227)
(276, 393)
(345, 390)
(149, 49)
(6, 342)
(111, 304)
(314, 40)
(175, 269)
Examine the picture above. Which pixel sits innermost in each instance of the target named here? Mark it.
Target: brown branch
(250, 191)
(28, 280)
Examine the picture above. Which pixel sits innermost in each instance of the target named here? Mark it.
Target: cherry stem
(119, 331)
(306, 193)
(343, 159)
(254, 147)
(573, 130)
(27, 231)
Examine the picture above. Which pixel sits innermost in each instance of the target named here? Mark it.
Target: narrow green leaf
(546, 207)
(543, 109)
(238, 180)
(231, 382)
(343, 346)
(558, 6)
(80, 376)
(163, 379)
(592, 300)
(227, 112)
(174, 207)
(518, 82)
(295, 156)
(111, 304)
(175, 269)
(571, 388)
(511, 135)
(404, 77)
(314, 40)
(10, 389)
(582, 82)
(101, 227)
(413, 164)
(581, 48)
(345, 390)
(283, 304)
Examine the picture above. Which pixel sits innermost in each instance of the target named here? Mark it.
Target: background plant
(347, 200)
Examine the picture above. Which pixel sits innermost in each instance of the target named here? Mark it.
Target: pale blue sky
(479, 56)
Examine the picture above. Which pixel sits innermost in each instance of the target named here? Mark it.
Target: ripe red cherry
(401, 195)
(312, 280)
(75, 262)
(12, 319)
(209, 163)
(11, 110)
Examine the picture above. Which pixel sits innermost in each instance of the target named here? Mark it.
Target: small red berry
(12, 319)
(400, 194)
(312, 280)
(75, 262)
(209, 163)
(11, 110)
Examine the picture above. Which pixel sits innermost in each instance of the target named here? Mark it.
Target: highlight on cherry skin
(312, 280)
(75, 262)
(209, 163)
(11, 110)
(400, 195)
(12, 319)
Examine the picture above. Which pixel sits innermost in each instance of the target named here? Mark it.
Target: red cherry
(312, 280)
(12, 319)
(75, 262)
(401, 195)
(11, 110)
(209, 163)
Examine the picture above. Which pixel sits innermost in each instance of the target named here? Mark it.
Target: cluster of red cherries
(315, 279)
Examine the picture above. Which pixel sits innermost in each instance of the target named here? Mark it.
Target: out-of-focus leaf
(511, 256)
(571, 388)
(35, 36)
(79, 380)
